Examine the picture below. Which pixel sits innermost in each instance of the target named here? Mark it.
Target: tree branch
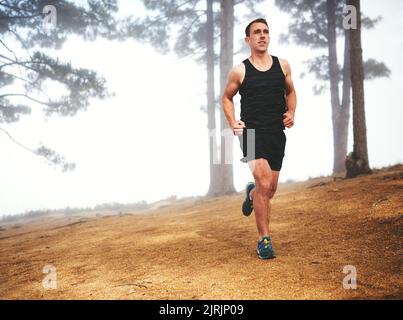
(16, 142)
(318, 28)
(21, 17)
(26, 96)
(18, 38)
(19, 63)
(199, 50)
(182, 4)
(14, 8)
(23, 63)
(30, 82)
(192, 23)
(46, 153)
(6, 46)
(15, 56)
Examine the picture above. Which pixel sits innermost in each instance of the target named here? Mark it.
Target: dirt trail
(206, 249)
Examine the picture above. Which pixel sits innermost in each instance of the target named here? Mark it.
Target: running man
(268, 102)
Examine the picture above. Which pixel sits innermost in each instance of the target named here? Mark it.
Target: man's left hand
(288, 119)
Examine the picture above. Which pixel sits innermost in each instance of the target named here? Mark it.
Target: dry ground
(206, 249)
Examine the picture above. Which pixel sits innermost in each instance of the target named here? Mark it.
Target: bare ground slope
(206, 249)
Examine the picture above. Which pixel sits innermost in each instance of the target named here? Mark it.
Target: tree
(318, 24)
(197, 29)
(357, 162)
(23, 30)
(211, 122)
(226, 183)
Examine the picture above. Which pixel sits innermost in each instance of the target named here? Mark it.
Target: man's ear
(247, 40)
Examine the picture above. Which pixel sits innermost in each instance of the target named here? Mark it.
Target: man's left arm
(291, 96)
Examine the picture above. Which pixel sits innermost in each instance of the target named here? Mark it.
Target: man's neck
(260, 57)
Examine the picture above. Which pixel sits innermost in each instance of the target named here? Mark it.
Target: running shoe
(265, 248)
(247, 205)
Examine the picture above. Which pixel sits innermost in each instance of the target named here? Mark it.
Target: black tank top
(263, 97)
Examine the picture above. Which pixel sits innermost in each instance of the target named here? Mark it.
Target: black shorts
(269, 145)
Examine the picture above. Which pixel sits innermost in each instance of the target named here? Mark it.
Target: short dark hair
(262, 20)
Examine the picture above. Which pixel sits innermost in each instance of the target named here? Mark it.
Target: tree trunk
(211, 122)
(357, 162)
(344, 112)
(226, 184)
(339, 153)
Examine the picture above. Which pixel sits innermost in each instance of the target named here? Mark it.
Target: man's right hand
(237, 127)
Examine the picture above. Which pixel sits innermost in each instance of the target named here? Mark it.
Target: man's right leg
(261, 194)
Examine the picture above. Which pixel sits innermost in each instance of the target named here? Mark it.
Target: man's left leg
(275, 175)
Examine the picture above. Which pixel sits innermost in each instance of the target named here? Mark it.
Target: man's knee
(265, 186)
(272, 191)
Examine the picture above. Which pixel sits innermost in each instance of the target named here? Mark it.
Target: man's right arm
(232, 87)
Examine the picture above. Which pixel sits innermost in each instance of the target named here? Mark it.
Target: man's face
(259, 38)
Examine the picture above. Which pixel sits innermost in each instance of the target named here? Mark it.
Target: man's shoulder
(239, 67)
(285, 65)
(238, 71)
(283, 61)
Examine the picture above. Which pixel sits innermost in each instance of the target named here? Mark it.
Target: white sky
(150, 141)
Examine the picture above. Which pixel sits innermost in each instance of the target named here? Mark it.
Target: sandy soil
(206, 249)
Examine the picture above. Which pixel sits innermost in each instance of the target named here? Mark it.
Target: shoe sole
(245, 210)
(264, 257)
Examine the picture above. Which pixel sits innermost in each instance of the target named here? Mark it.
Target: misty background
(150, 140)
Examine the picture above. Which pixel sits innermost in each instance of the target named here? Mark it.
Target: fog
(150, 141)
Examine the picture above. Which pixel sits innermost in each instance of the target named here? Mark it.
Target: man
(268, 102)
